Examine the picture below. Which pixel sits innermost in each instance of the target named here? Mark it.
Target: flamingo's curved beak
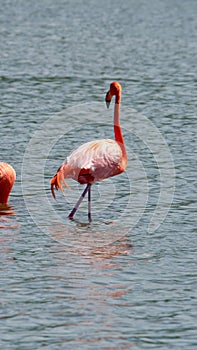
(108, 99)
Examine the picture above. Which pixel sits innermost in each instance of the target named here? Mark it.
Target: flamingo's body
(95, 160)
(91, 162)
(7, 179)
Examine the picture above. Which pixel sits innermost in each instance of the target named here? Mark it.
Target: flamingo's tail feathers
(65, 183)
(58, 179)
(53, 184)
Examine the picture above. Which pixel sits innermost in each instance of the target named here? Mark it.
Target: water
(124, 281)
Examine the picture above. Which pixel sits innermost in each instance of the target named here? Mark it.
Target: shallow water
(128, 279)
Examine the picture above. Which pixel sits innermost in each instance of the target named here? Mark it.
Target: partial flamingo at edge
(7, 179)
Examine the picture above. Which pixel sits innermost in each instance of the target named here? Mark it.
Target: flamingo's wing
(93, 161)
(99, 159)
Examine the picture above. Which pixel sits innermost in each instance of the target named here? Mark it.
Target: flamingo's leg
(89, 204)
(72, 213)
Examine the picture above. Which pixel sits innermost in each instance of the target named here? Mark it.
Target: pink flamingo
(95, 160)
(7, 179)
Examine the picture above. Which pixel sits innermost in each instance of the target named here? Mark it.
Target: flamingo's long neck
(117, 128)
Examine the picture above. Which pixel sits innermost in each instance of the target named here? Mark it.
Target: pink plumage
(93, 161)
(96, 160)
(7, 179)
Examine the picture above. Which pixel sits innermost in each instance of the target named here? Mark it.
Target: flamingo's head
(115, 90)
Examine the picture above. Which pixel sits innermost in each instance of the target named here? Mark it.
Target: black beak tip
(107, 104)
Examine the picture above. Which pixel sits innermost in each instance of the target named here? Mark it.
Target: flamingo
(95, 160)
(7, 179)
